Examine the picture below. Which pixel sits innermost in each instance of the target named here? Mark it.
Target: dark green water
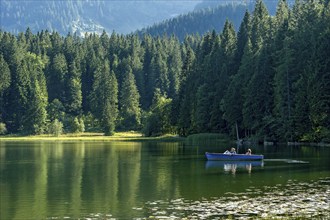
(127, 180)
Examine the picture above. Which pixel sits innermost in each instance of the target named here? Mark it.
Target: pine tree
(31, 94)
(258, 104)
(105, 98)
(5, 75)
(183, 101)
(56, 77)
(202, 110)
(174, 63)
(150, 50)
(282, 13)
(5, 80)
(130, 112)
(136, 52)
(73, 93)
(284, 76)
(260, 25)
(243, 35)
(36, 115)
(159, 74)
(18, 98)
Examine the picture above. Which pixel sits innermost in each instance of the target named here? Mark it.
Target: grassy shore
(87, 136)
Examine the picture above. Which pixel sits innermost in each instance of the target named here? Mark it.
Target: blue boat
(233, 157)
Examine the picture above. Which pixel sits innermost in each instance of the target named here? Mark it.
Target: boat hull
(233, 157)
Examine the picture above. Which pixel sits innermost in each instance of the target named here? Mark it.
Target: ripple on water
(291, 200)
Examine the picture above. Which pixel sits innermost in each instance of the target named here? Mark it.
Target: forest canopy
(271, 79)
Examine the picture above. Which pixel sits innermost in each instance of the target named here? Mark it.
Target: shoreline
(136, 136)
(120, 136)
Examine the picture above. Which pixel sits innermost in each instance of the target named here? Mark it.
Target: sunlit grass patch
(91, 136)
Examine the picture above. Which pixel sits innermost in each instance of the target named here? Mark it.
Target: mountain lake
(160, 180)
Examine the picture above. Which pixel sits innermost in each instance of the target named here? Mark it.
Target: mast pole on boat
(237, 136)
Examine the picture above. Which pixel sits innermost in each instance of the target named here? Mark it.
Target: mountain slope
(87, 15)
(198, 22)
(208, 16)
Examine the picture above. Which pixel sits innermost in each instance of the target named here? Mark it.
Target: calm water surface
(127, 180)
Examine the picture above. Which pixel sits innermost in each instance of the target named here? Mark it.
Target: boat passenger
(248, 152)
(232, 151)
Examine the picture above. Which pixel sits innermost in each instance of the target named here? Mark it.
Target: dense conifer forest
(199, 22)
(271, 78)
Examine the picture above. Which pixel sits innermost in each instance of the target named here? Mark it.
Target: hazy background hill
(199, 21)
(155, 17)
(208, 15)
(87, 15)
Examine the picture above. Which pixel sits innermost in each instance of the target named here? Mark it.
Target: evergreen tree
(243, 35)
(158, 75)
(282, 13)
(73, 93)
(228, 45)
(260, 25)
(202, 110)
(30, 93)
(130, 112)
(174, 64)
(5, 75)
(150, 50)
(258, 104)
(235, 95)
(136, 52)
(105, 98)
(36, 115)
(183, 101)
(284, 75)
(56, 77)
(18, 98)
(5, 79)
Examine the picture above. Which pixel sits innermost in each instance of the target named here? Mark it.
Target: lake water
(138, 180)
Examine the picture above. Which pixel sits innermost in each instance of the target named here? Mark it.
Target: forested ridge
(271, 78)
(200, 21)
(207, 15)
(91, 16)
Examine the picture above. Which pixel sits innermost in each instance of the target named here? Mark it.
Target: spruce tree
(56, 77)
(202, 115)
(260, 25)
(184, 101)
(32, 95)
(243, 35)
(36, 115)
(174, 63)
(5, 80)
(104, 98)
(130, 112)
(73, 93)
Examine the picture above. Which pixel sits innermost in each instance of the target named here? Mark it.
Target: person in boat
(248, 152)
(232, 151)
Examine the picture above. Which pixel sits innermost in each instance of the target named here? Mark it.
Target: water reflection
(233, 166)
(60, 180)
